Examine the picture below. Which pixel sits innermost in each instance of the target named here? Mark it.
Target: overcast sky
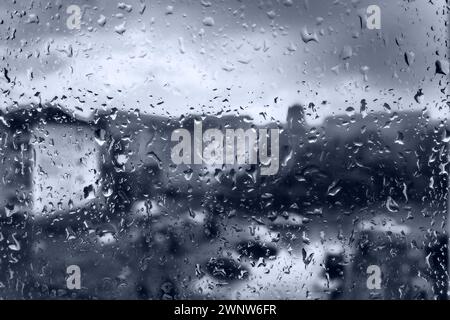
(236, 56)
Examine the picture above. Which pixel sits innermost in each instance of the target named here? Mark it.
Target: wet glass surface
(224, 149)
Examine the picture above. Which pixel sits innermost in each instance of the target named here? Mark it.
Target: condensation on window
(288, 149)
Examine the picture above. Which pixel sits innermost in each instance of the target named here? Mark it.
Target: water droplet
(350, 111)
(409, 57)
(169, 10)
(391, 205)
(15, 246)
(399, 139)
(446, 136)
(101, 21)
(442, 67)
(271, 14)
(208, 21)
(419, 96)
(308, 37)
(346, 52)
(334, 188)
(120, 29)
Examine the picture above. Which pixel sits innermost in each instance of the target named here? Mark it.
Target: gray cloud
(251, 54)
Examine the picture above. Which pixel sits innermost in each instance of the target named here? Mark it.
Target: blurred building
(104, 194)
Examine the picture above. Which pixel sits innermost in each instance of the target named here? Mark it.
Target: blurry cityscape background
(87, 114)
